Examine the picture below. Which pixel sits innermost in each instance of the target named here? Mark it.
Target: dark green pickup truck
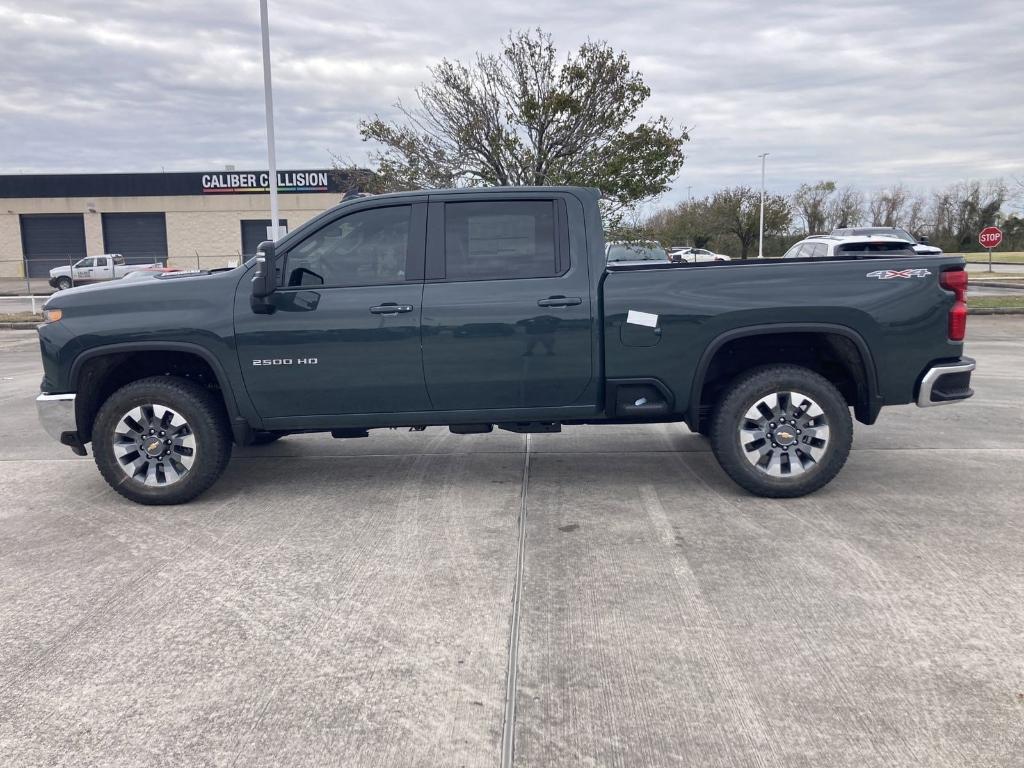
(476, 308)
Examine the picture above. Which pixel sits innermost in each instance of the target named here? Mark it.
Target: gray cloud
(867, 93)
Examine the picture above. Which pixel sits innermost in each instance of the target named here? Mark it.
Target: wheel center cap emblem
(153, 447)
(785, 436)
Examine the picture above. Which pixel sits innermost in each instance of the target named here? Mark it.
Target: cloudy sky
(868, 93)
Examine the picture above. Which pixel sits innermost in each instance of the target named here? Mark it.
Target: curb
(995, 311)
(20, 326)
(996, 284)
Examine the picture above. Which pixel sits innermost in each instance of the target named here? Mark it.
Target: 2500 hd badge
(287, 361)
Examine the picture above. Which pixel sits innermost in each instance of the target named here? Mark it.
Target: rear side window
(890, 247)
(500, 240)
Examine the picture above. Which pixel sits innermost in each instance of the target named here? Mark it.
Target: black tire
(63, 283)
(265, 438)
(207, 424)
(744, 394)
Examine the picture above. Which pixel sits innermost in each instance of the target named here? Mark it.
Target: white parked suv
(920, 246)
(825, 246)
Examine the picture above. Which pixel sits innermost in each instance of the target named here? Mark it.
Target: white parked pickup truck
(93, 269)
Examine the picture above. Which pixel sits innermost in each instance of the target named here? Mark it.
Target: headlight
(52, 315)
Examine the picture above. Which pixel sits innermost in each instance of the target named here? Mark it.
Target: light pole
(760, 238)
(268, 97)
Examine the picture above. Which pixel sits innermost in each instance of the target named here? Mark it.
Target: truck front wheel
(63, 283)
(782, 431)
(161, 440)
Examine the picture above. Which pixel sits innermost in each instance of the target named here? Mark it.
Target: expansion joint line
(508, 731)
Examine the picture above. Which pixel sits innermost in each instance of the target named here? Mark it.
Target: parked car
(920, 244)
(828, 246)
(497, 309)
(696, 255)
(645, 252)
(93, 269)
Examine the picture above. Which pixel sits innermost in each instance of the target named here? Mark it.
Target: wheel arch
(855, 354)
(99, 369)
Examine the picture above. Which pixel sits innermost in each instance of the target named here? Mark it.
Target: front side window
(86, 263)
(498, 240)
(364, 248)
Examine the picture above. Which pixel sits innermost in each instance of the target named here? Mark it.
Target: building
(205, 219)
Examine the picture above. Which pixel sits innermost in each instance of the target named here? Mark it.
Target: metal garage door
(254, 232)
(50, 240)
(139, 237)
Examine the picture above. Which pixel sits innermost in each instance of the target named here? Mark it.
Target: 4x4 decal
(889, 274)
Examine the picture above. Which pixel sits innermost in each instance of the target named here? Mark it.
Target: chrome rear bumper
(946, 383)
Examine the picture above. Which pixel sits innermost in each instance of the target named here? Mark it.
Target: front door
(507, 315)
(344, 336)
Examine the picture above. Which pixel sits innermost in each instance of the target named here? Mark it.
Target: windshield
(636, 252)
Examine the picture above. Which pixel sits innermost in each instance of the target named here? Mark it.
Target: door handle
(390, 309)
(560, 301)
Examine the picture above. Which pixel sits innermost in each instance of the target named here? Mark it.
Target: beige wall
(205, 224)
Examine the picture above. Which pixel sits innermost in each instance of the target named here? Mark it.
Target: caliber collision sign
(990, 237)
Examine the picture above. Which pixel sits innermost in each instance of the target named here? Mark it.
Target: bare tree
(845, 208)
(962, 210)
(523, 117)
(886, 206)
(810, 202)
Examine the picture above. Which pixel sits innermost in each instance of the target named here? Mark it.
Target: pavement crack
(508, 730)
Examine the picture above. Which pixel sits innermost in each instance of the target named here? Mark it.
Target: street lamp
(268, 98)
(760, 239)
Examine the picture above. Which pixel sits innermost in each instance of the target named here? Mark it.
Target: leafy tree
(810, 202)
(523, 117)
(688, 223)
(737, 211)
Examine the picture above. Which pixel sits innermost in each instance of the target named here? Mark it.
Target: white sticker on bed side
(642, 318)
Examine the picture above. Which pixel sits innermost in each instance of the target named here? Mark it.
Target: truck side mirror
(265, 278)
(923, 240)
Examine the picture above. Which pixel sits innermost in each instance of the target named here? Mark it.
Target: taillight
(956, 281)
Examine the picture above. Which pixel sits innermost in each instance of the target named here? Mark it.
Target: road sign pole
(989, 259)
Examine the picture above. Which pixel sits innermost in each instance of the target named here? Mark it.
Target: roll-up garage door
(51, 240)
(139, 237)
(254, 232)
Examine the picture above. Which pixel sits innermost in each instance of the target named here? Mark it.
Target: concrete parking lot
(349, 602)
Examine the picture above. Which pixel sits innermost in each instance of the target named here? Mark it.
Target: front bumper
(57, 415)
(946, 383)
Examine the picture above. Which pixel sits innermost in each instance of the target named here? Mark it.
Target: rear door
(507, 308)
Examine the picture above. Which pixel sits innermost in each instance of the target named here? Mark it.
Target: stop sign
(990, 237)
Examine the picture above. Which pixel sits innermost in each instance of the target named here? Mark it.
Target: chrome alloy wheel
(784, 434)
(154, 445)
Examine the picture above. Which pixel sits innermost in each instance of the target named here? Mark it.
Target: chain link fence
(42, 275)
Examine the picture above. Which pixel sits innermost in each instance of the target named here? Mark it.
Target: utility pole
(268, 97)
(689, 195)
(760, 239)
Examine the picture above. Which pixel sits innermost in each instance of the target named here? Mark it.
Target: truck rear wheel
(782, 431)
(161, 440)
